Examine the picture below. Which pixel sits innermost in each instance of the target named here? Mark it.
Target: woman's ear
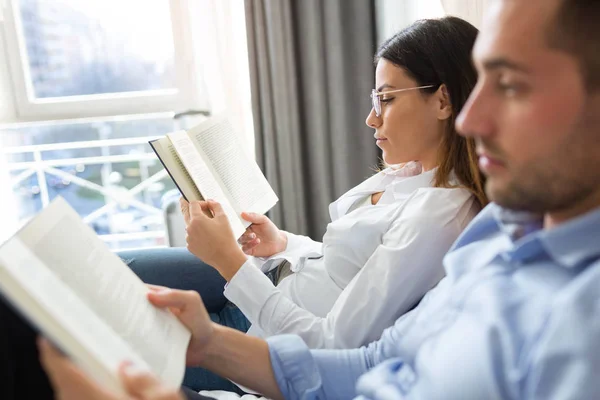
(444, 107)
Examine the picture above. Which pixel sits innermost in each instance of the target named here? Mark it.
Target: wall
(471, 10)
(394, 15)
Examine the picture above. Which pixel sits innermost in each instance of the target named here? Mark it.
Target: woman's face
(411, 123)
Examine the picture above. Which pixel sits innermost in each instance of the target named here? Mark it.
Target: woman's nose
(373, 121)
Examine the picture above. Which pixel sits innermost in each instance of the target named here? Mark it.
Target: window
(85, 84)
(77, 57)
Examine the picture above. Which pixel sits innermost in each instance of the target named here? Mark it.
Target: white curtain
(219, 39)
(470, 10)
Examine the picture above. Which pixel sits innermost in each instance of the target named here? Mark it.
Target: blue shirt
(516, 317)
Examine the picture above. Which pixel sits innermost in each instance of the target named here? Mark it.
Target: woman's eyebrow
(385, 86)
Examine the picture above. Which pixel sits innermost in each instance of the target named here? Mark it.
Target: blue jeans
(179, 269)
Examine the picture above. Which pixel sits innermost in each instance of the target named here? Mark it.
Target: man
(518, 315)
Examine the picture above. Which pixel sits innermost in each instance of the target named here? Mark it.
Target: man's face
(536, 127)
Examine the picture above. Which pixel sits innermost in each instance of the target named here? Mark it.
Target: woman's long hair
(438, 51)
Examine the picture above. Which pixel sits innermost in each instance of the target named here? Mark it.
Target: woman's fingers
(185, 209)
(216, 208)
(254, 217)
(195, 209)
(205, 206)
(209, 208)
(249, 247)
(199, 209)
(246, 237)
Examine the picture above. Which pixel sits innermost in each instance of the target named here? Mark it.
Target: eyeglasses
(376, 96)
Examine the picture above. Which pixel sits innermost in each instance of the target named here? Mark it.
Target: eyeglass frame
(376, 96)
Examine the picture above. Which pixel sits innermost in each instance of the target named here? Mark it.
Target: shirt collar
(407, 179)
(404, 170)
(517, 224)
(404, 179)
(401, 180)
(569, 244)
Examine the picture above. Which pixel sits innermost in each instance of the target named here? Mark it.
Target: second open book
(209, 162)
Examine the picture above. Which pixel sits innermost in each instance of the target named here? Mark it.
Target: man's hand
(262, 238)
(211, 238)
(70, 383)
(189, 308)
(224, 351)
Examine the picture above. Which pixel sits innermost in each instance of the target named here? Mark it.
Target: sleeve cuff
(249, 290)
(298, 246)
(295, 370)
(303, 243)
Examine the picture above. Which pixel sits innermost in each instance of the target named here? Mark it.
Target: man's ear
(444, 107)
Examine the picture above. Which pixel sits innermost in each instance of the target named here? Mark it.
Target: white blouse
(374, 264)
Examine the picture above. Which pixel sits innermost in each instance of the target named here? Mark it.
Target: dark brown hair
(436, 52)
(576, 30)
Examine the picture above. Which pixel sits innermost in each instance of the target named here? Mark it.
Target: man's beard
(540, 191)
(551, 183)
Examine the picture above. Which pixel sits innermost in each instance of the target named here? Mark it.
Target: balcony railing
(33, 164)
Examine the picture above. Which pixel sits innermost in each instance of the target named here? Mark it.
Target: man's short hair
(576, 30)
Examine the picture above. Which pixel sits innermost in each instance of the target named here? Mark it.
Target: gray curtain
(311, 67)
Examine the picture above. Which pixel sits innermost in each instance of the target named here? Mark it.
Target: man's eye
(386, 99)
(510, 89)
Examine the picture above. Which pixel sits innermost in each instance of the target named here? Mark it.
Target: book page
(73, 252)
(63, 317)
(204, 179)
(240, 176)
(169, 158)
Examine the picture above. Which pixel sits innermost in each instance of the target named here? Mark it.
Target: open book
(209, 162)
(62, 278)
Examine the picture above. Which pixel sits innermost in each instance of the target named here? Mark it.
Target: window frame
(187, 94)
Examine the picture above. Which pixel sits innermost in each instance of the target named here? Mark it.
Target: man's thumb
(168, 298)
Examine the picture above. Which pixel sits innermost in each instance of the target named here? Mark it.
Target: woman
(383, 249)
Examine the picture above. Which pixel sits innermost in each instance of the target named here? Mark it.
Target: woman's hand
(210, 238)
(262, 238)
(70, 383)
